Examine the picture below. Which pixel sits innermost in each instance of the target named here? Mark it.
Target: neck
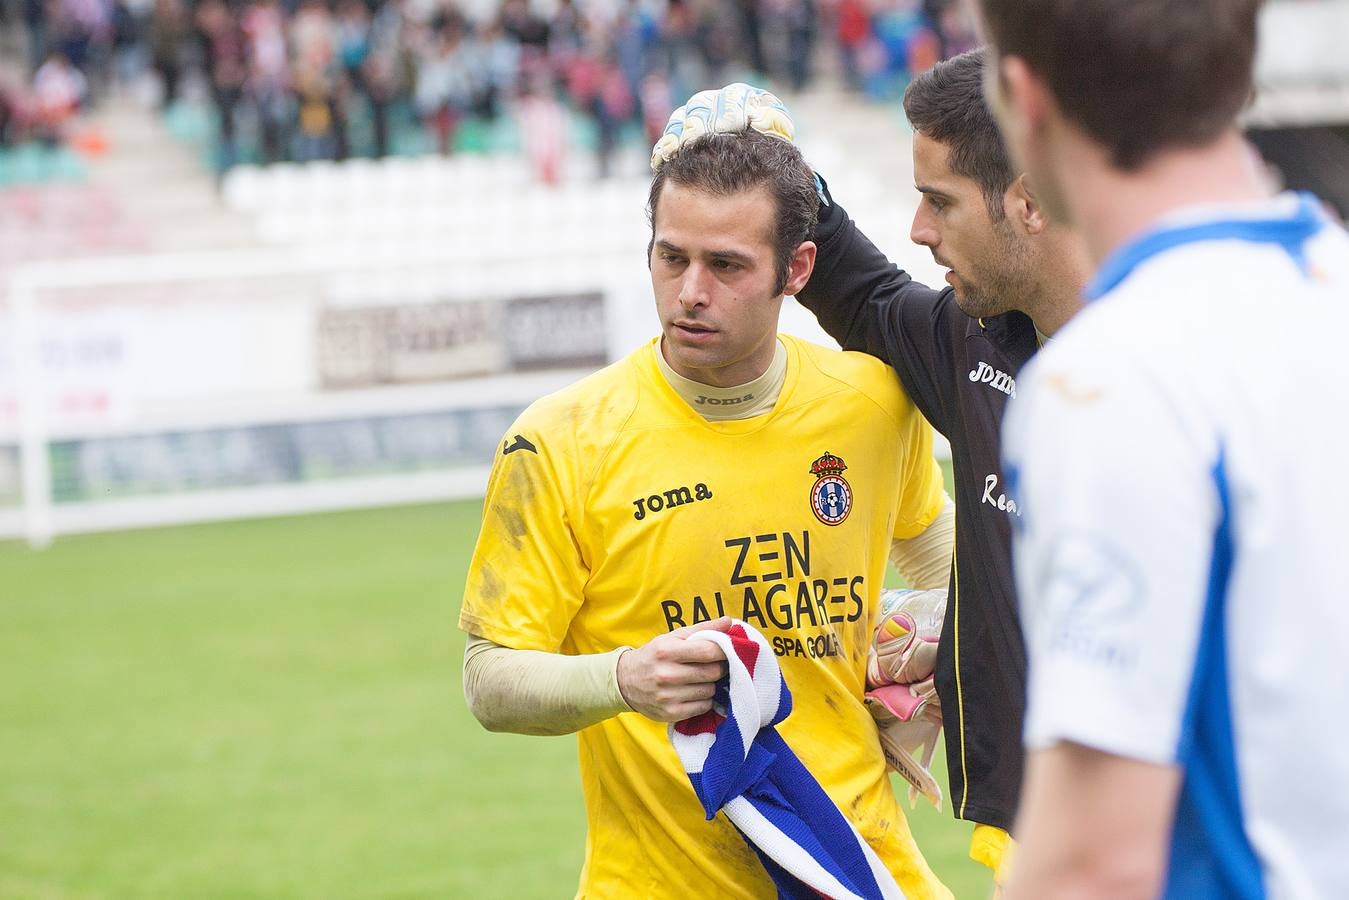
(715, 403)
(1111, 207)
(1062, 270)
(1056, 314)
(734, 375)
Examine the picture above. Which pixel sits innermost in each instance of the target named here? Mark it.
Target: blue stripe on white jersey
(1211, 855)
(1289, 232)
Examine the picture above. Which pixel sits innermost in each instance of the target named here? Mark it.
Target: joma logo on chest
(669, 500)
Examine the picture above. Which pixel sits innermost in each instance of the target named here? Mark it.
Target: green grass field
(272, 709)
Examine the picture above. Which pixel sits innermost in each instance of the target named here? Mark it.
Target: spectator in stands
(717, 32)
(656, 96)
(498, 62)
(900, 27)
(313, 37)
(314, 49)
(58, 90)
(9, 115)
(633, 31)
(169, 32)
(524, 26)
(853, 30)
(317, 135)
(955, 24)
(542, 127)
(611, 106)
(353, 42)
(223, 49)
(676, 49)
(383, 71)
(127, 43)
(35, 21)
(269, 82)
(565, 36)
(751, 27)
(444, 89)
(800, 22)
(82, 30)
(935, 11)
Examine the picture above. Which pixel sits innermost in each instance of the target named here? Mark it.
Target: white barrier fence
(161, 390)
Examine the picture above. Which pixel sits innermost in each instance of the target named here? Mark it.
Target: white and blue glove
(735, 108)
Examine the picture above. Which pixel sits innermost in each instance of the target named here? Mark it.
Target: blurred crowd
(327, 79)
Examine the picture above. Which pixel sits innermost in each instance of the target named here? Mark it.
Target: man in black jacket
(1015, 279)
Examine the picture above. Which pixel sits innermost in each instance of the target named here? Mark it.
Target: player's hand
(734, 108)
(908, 723)
(904, 643)
(902, 697)
(670, 678)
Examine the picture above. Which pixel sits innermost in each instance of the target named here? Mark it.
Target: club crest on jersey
(830, 497)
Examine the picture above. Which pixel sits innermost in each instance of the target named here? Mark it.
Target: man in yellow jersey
(721, 470)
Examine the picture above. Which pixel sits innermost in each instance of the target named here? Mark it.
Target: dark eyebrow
(928, 190)
(730, 255)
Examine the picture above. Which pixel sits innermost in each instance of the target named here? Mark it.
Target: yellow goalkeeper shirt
(615, 513)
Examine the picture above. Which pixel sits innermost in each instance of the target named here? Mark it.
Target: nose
(693, 289)
(924, 228)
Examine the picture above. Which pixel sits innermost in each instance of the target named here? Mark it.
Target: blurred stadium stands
(185, 342)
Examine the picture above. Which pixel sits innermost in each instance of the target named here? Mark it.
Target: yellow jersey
(615, 513)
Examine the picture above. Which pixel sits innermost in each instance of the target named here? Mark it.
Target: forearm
(1092, 825)
(925, 560)
(854, 287)
(532, 692)
(1070, 870)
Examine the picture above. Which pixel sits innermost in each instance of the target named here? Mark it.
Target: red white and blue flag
(741, 766)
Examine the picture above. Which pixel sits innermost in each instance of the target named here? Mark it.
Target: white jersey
(1180, 456)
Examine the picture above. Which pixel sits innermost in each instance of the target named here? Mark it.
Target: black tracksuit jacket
(961, 373)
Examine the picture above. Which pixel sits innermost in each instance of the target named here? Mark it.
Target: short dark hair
(722, 164)
(946, 103)
(1139, 76)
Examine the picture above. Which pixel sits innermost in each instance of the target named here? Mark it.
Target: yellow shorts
(994, 848)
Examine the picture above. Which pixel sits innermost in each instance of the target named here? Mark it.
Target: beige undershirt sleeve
(532, 692)
(925, 560)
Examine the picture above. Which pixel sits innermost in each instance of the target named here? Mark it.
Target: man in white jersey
(1178, 450)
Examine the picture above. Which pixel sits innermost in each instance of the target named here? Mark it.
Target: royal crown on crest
(829, 464)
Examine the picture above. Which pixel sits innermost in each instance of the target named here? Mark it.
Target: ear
(1020, 100)
(1022, 90)
(1021, 206)
(799, 269)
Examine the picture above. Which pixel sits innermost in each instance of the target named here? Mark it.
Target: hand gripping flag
(738, 764)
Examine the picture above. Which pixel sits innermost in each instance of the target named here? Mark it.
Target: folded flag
(739, 764)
